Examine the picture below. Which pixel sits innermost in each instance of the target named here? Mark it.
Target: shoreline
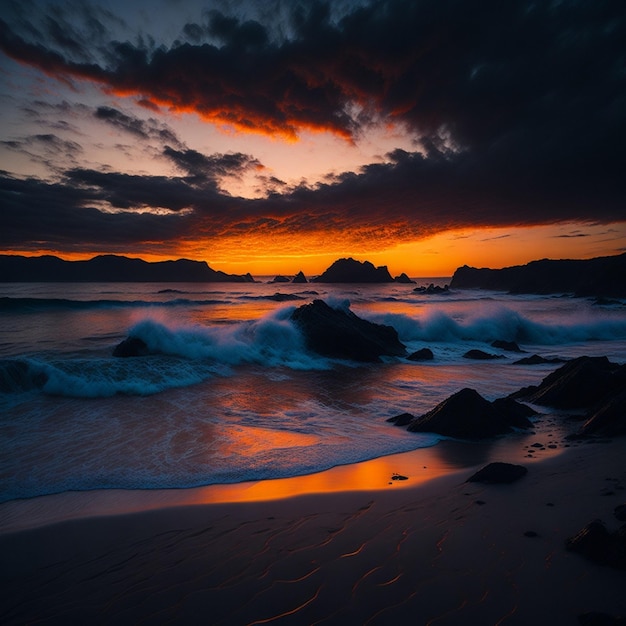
(443, 551)
(419, 466)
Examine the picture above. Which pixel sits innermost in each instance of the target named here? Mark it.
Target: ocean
(234, 395)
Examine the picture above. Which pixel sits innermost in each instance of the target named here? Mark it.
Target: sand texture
(445, 552)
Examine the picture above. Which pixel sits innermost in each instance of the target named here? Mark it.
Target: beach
(235, 476)
(440, 551)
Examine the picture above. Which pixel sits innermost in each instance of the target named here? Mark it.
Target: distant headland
(109, 269)
(599, 277)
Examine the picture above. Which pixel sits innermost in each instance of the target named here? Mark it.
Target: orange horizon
(436, 256)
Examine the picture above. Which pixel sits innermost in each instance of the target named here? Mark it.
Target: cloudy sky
(279, 135)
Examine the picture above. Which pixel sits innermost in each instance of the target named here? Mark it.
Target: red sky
(278, 136)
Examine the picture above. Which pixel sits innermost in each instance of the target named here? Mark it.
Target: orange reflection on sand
(376, 474)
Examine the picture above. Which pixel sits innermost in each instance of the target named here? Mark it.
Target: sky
(279, 135)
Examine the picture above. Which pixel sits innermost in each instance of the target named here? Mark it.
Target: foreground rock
(592, 383)
(467, 415)
(607, 418)
(596, 543)
(498, 473)
(602, 277)
(341, 334)
(580, 383)
(351, 271)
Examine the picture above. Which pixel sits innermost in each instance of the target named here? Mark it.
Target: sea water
(233, 393)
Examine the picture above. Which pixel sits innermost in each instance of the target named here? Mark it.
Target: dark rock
(284, 297)
(531, 533)
(299, 278)
(404, 279)
(466, 415)
(509, 346)
(402, 420)
(433, 289)
(351, 271)
(516, 414)
(399, 477)
(595, 618)
(580, 383)
(425, 354)
(341, 334)
(602, 277)
(535, 359)
(608, 418)
(131, 346)
(280, 279)
(597, 544)
(110, 268)
(498, 473)
(479, 355)
(620, 512)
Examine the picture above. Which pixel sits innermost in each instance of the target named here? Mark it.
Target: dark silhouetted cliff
(601, 277)
(109, 268)
(351, 271)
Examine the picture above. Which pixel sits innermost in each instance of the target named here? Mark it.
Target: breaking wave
(502, 323)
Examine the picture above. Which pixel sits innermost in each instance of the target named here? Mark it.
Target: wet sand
(421, 551)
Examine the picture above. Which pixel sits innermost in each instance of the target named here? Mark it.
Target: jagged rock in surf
(131, 346)
(479, 355)
(280, 279)
(509, 346)
(424, 354)
(299, 278)
(341, 334)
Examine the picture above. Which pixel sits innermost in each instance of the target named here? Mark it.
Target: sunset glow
(277, 137)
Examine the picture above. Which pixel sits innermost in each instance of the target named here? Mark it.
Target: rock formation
(341, 334)
(498, 473)
(600, 277)
(424, 354)
(467, 415)
(351, 271)
(110, 268)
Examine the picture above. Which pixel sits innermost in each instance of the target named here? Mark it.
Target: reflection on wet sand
(419, 466)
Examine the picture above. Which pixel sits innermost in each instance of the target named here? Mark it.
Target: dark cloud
(202, 167)
(37, 214)
(146, 129)
(518, 110)
(46, 148)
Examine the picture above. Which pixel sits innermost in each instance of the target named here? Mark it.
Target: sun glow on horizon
(436, 256)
